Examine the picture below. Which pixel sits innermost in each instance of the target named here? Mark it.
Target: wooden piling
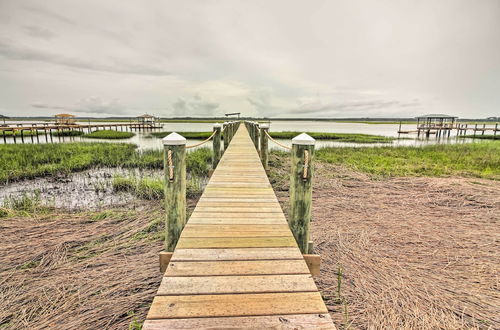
(216, 145)
(175, 188)
(264, 151)
(256, 136)
(22, 135)
(226, 135)
(301, 189)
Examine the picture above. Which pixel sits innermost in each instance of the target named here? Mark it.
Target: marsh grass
(187, 135)
(480, 160)
(340, 137)
(483, 137)
(18, 133)
(109, 134)
(37, 160)
(153, 188)
(24, 205)
(67, 133)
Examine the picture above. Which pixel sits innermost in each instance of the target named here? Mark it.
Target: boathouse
(436, 124)
(65, 119)
(146, 120)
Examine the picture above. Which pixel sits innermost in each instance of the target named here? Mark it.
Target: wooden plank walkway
(236, 264)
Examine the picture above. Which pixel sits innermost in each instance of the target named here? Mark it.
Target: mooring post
(496, 128)
(264, 152)
(175, 187)
(301, 189)
(216, 145)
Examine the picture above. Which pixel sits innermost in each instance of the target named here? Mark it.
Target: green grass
(485, 137)
(480, 160)
(67, 133)
(153, 188)
(18, 133)
(109, 134)
(187, 135)
(404, 122)
(191, 121)
(24, 161)
(340, 137)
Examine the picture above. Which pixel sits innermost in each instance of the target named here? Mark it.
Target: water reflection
(144, 140)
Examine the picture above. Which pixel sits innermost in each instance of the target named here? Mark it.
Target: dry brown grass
(415, 253)
(79, 271)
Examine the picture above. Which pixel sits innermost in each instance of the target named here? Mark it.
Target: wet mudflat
(90, 189)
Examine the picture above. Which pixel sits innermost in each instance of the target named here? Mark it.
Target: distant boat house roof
(438, 116)
(64, 115)
(146, 116)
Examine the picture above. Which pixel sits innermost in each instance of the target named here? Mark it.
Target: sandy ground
(414, 253)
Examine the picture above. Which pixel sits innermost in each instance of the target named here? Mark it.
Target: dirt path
(414, 253)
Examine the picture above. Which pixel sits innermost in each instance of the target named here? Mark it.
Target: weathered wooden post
(226, 136)
(175, 187)
(216, 145)
(256, 132)
(301, 189)
(264, 152)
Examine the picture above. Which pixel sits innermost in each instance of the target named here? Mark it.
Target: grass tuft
(480, 160)
(109, 134)
(340, 137)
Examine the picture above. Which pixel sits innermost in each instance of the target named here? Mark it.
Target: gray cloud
(444, 54)
(89, 105)
(39, 32)
(196, 105)
(17, 52)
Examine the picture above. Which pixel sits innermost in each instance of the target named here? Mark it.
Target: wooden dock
(236, 264)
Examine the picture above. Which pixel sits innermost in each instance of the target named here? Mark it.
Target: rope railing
(202, 142)
(278, 143)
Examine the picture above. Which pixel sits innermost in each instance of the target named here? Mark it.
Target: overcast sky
(266, 58)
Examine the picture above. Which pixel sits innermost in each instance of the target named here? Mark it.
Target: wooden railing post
(264, 152)
(216, 145)
(175, 187)
(256, 136)
(226, 136)
(231, 130)
(301, 189)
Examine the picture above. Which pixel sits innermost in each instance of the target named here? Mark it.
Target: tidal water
(144, 140)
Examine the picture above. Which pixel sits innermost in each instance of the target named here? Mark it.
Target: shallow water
(91, 189)
(145, 141)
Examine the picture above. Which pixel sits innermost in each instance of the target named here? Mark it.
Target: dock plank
(246, 267)
(195, 285)
(282, 322)
(168, 307)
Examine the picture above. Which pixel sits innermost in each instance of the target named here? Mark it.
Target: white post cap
(174, 139)
(303, 139)
(217, 125)
(264, 125)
